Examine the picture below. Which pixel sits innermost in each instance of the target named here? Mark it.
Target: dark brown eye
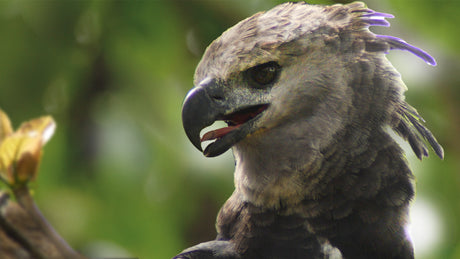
(264, 74)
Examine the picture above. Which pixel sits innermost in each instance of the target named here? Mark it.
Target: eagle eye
(264, 74)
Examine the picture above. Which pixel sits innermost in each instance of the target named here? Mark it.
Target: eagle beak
(198, 112)
(201, 109)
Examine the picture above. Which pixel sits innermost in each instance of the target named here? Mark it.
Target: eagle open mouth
(200, 111)
(234, 121)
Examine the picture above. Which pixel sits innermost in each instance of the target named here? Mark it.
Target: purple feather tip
(373, 18)
(397, 43)
(372, 21)
(376, 14)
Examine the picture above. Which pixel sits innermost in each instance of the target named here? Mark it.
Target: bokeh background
(119, 178)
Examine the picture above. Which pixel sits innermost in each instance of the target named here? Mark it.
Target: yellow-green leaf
(5, 126)
(28, 158)
(20, 151)
(8, 153)
(43, 127)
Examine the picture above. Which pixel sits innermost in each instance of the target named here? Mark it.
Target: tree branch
(25, 233)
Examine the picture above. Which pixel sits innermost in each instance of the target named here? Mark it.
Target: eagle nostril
(216, 94)
(213, 88)
(217, 97)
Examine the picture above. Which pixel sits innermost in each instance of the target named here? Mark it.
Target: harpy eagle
(310, 99)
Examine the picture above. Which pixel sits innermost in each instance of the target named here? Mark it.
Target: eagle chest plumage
(310, 101)
(364, 198)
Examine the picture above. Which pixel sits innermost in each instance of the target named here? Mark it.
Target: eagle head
(295, 81)
(308, 97)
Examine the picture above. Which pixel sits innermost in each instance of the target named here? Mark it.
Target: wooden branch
(25, 233)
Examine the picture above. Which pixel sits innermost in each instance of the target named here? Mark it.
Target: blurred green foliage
(119, 177)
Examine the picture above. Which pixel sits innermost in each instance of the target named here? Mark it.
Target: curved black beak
(199, 111)
(203, 106)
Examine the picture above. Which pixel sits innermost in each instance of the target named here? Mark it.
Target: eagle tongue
(219, 133)
(237, 119)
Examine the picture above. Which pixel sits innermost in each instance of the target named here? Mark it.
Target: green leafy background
(119, 178)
